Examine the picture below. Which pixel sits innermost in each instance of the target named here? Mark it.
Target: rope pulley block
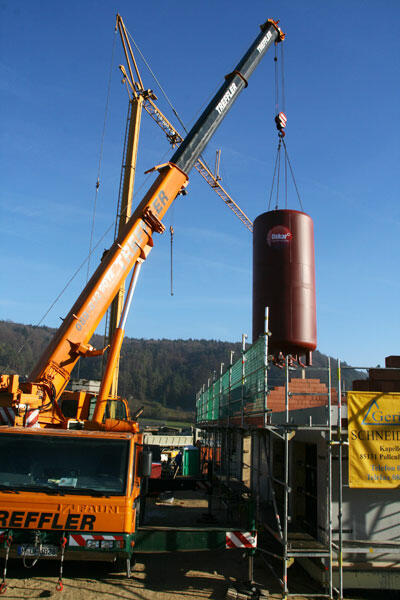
(280, 121)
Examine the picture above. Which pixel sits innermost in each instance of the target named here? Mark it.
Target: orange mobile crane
(70, 487)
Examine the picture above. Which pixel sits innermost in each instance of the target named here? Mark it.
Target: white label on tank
(279, 236)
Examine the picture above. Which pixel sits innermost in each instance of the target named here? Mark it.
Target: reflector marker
(80, 540)
(31, 418)
(241, 539)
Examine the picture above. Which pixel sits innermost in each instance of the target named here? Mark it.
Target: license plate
(45, 550)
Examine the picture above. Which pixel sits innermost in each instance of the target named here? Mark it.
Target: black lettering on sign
(55, 524)
(30, 518)
(44, 518)
(72, 521)
(16, 518)
(3, 518)
(87, 522)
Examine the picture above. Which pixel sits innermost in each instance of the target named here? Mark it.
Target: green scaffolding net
(239, 391)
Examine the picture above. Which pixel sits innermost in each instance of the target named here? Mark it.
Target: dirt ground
(184, 576)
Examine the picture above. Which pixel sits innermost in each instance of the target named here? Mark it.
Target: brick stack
(276, 398)
(381, 380)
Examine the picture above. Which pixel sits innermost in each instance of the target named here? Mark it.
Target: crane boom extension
(200, 134)
(135, 241)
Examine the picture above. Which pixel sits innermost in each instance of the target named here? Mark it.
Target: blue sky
(342, 63)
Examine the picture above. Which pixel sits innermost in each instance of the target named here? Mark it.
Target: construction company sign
(374, 439)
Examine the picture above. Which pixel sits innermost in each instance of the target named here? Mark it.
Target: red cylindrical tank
(284, 280)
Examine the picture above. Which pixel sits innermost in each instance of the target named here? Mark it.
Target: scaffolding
(236, 409)
(236, 405)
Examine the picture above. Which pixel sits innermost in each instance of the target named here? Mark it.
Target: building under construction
(287, 448)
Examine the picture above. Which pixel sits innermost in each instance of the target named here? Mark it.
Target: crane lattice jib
(175, 139)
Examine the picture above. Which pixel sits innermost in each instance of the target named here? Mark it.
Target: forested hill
(166, 371)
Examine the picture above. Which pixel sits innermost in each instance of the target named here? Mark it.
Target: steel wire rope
(76, 272)
(286, 181)
(283, 99)
(278, 177)
(95, 199)
(121, 175)
(175, 112)
(273, 177)
(211, 95)
(99, 165)
(276, 107)
(101, 151)
(157, 81)
(280, 102)
(292, 173)
(116, 226)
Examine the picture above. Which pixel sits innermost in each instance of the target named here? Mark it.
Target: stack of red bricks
(381, 380)
(315, 393)
(308, 393)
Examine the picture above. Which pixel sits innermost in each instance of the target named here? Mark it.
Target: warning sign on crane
(374, 439)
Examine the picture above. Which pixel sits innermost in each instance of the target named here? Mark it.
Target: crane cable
(280, 121)
(171, 231)
(99, 167)
(101, 153)
(91, 249)
(157, 81)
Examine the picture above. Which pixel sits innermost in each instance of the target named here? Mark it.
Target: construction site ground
(172, 576)
(183, 576)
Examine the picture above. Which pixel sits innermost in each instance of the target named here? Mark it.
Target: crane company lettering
(374, 439)
(226, 98)
(160, 201)
(121, 262)
(46, 520)
(108, 509)
(264, 42)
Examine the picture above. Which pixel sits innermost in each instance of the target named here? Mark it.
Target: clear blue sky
(342, 62)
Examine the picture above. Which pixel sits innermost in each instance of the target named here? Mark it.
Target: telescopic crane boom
(52, 372)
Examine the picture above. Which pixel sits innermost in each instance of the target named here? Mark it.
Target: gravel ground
(184, 576)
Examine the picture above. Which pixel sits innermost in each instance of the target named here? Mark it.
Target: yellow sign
(374, 439)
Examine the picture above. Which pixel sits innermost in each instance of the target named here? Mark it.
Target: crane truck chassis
(70, 487)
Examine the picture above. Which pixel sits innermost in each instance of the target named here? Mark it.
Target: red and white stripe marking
(241, 539)
(32, 418)
(7, 415)
(282, 119)
(76, 539)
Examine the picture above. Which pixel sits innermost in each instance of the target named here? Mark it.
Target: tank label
(279, 236)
